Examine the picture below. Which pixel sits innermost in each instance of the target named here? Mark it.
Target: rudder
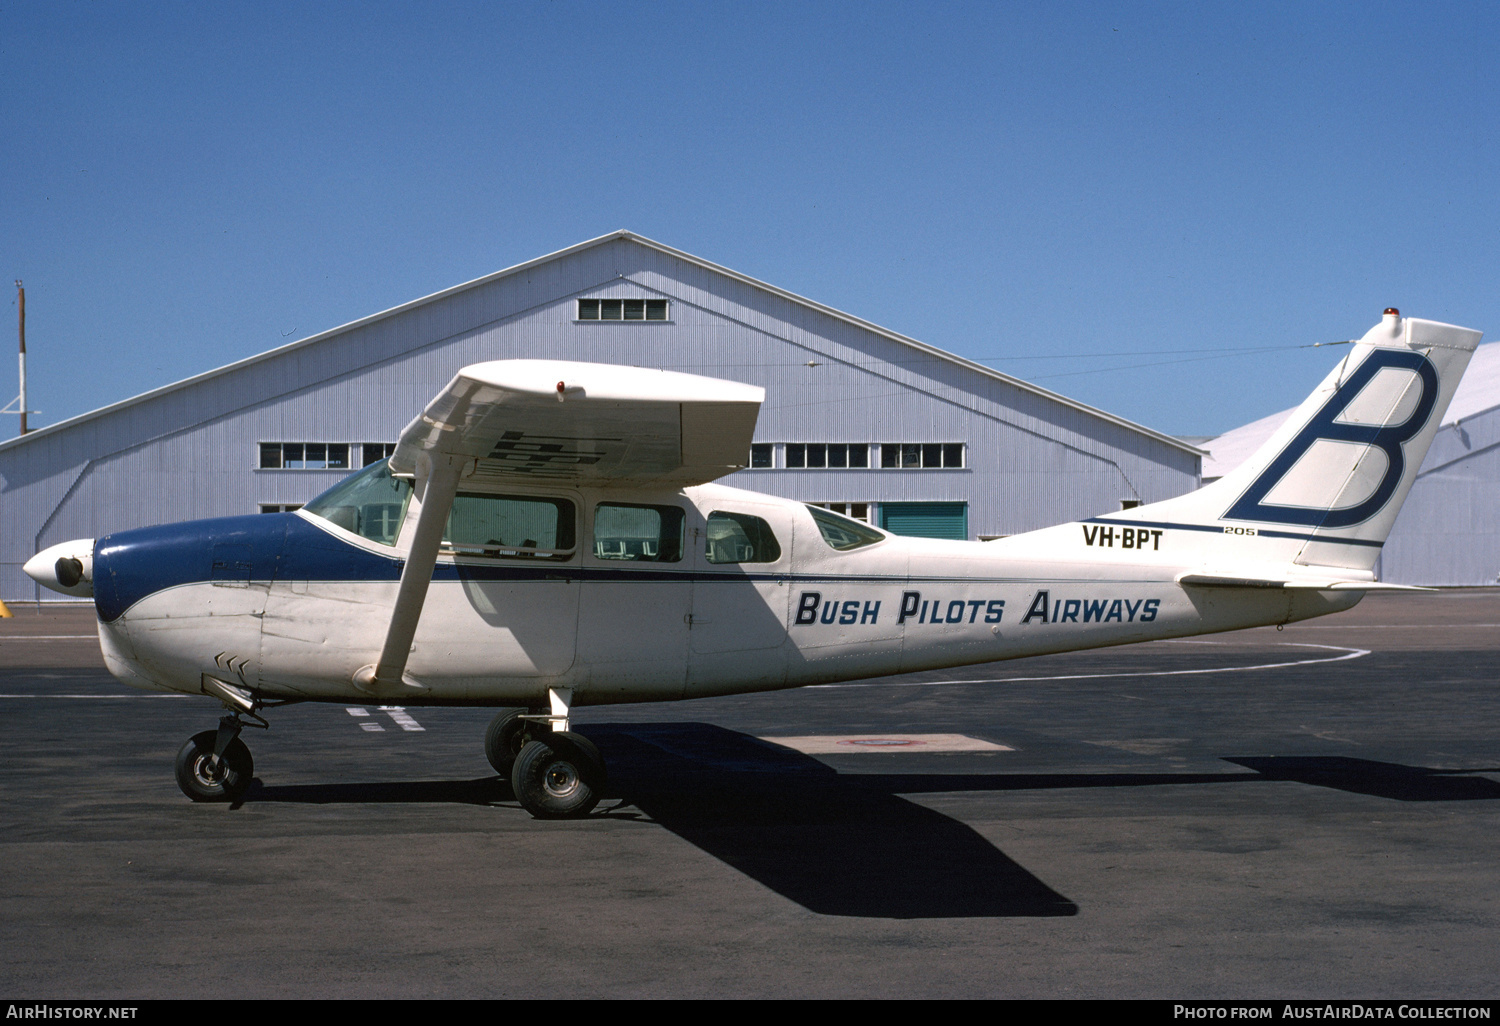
(1325, 489)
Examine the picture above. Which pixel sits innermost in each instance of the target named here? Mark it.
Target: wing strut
(437, 481)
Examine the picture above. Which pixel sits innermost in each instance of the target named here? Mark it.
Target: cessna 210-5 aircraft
(545, 536)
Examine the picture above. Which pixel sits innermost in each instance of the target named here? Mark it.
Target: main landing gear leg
(556, 775)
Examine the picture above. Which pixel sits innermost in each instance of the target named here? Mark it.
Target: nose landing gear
(208, 771)
(215, 765)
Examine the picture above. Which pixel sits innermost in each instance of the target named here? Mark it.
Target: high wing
(586, 423)
(580, 423)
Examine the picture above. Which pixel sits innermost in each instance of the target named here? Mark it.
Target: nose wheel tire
(558, 776)
(506, 736)
(205, 777)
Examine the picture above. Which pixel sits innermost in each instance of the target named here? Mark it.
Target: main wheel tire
(204, 778)
(558, 776)
(506, 735)
(590, 751)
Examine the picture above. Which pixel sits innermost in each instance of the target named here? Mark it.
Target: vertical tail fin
(1325, 489)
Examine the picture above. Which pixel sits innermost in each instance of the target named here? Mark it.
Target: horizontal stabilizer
(1202, 580)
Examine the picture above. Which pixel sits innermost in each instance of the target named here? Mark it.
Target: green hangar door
(926, 519)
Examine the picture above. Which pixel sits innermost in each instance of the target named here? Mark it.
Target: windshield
(370, 503)
(841, 532)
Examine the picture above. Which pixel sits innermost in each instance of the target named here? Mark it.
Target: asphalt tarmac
(1311, 813)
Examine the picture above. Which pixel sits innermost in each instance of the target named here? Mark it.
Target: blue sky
(1143, 206)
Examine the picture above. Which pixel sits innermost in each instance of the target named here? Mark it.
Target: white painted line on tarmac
(402, 717)
(102, 697)
(398, 713)
(1380, 626)
(1349, 653)
(363, 716)
(47, 637)
(408, 723)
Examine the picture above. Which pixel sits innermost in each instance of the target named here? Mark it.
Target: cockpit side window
(371, 503)
(510, 527)
(842, 533)
(740, 538)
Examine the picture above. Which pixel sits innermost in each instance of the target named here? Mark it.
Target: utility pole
(21, 303)
(20, 403)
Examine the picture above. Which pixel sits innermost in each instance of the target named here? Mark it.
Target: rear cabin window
(740, 538)
(370, 503)
(649, 534)
(510, 527)
(842, 533)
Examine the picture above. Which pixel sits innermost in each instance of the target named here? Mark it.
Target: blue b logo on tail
(1387, 437)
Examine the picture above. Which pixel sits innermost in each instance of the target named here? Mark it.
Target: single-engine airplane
(546, 536)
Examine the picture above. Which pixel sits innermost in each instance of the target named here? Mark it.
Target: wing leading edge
(586, 423)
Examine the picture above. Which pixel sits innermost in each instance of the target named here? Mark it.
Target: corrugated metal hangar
(875, 424)
(1447, 533)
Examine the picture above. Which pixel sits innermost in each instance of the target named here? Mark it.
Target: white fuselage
(503, 630)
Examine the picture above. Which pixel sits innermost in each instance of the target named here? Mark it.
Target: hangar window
(374, 452)
(280, 507)
(762, 455)
(740, 538)
(622, 309)
(827, 455)
(510, 527)
(922, 455)
(304, 455)
(650, 534)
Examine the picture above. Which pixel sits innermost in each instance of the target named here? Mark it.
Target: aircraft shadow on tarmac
(1380, 779)
(843, 845)
(849, 844)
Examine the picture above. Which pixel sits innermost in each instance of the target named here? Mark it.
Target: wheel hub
(208, 770)
(560, 779)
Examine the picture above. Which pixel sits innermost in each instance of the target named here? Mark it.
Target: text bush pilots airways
(546, 536)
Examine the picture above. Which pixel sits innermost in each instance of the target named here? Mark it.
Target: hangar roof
(1478, 392)
(601, 240)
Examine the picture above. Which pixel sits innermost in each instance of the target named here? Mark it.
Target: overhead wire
(1166, 363)
(1214, 354)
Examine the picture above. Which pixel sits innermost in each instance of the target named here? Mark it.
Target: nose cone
(67, 567)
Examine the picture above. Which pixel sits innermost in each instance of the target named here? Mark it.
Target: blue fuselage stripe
(268, 547)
